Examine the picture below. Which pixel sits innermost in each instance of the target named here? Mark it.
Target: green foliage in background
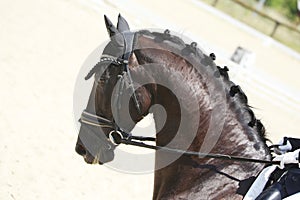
(286, 7)
(284, 11)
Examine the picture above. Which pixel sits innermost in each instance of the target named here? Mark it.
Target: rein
(119, 136)
(199, 154)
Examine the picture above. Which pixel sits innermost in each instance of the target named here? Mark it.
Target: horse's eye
(102, 80)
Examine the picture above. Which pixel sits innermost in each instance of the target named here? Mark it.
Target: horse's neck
(184, 124)
(193, 177)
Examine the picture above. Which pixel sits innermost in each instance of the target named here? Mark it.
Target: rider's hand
(288, 158)
(287, 144)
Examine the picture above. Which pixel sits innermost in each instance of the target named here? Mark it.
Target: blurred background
(44, 43)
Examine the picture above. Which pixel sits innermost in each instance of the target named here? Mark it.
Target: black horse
(203, 111)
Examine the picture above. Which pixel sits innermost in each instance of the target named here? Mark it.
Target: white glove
(288, 158)
(284, 145)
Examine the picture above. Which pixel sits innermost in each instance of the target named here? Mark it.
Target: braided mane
(236, 98)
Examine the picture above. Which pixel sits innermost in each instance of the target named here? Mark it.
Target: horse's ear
(122, 25)
(111, 29)
(113, 32)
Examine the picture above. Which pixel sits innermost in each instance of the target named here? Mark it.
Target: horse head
(112, 87)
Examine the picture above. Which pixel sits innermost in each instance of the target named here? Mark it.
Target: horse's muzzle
(103, 156)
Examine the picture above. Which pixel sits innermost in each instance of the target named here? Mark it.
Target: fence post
(275, 28)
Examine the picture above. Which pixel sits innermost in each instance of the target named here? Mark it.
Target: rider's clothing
(279, 182)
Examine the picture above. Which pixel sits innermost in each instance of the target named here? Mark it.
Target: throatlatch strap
(129, 37)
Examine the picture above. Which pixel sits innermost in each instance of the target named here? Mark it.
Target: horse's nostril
(80, 150)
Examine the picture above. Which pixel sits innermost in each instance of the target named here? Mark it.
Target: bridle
(91, 119)
(119, 136)
(116, 134)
